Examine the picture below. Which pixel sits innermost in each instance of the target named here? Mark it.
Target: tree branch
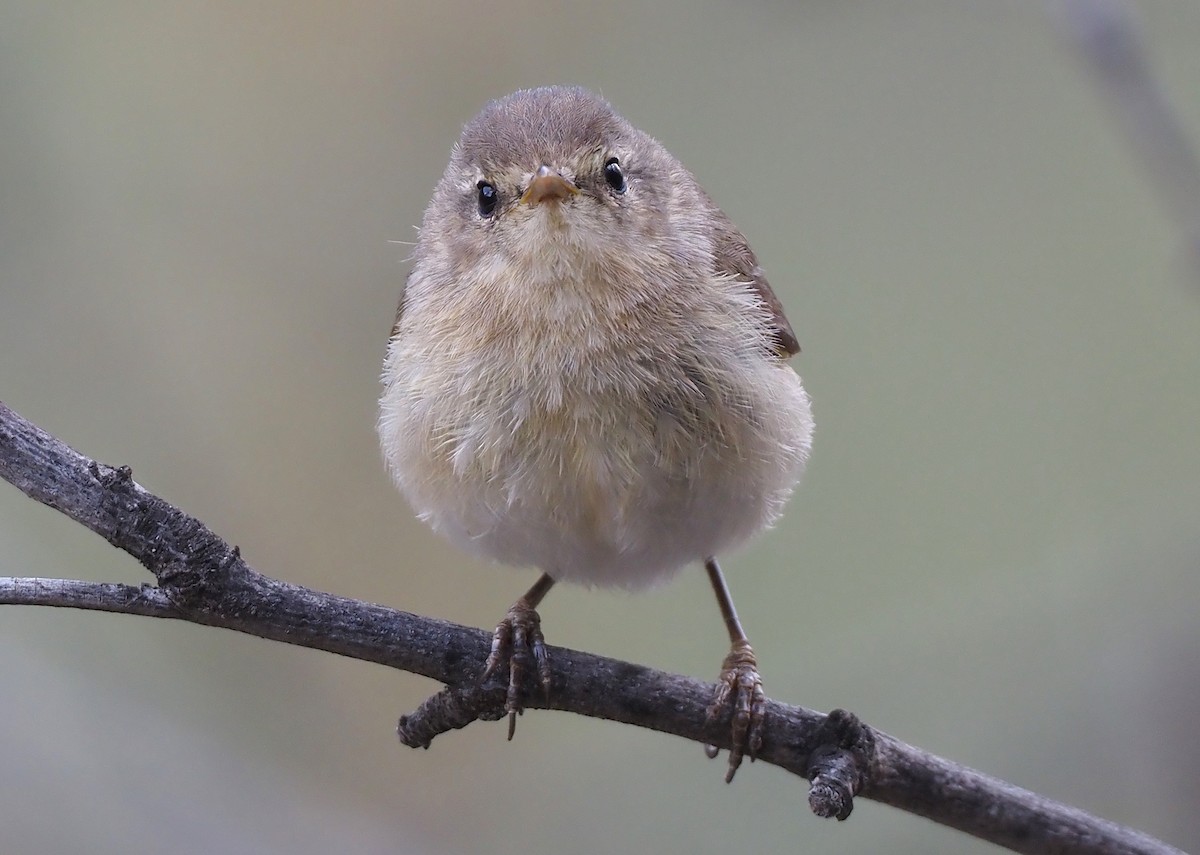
(204, 580)
(1107, 35)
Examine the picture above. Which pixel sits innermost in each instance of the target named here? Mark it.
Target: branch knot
(838, 768)
(453, 708)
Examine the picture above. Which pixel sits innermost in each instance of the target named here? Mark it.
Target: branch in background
(1108, 38)
(204, 580)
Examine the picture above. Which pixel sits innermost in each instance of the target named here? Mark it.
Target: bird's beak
(547, 184)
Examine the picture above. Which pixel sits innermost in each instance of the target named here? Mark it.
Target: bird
(589, 375)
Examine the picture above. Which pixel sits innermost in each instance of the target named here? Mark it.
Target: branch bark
(202, 579)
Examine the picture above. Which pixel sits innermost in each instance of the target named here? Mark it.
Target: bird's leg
(517, 640)
(739, 688)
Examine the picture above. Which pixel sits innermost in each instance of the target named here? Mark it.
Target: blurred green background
(204, 211)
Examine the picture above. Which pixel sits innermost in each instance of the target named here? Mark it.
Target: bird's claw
(517, 643)
(740, 696)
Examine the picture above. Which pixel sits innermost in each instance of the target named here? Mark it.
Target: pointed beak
(546, 185)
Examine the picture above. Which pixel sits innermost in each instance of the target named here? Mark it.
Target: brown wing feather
(734, 256)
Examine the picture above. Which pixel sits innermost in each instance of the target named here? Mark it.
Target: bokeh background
(204, 215)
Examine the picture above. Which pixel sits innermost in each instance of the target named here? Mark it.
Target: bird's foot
(518, 643)
(740, 697)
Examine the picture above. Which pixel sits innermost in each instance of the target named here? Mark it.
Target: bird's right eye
(487, 198)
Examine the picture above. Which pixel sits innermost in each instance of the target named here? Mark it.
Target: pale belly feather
(617, 483)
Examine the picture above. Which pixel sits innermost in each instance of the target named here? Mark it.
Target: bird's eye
(614, 175)
(487, 198)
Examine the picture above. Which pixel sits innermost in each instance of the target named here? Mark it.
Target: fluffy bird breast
(603, 435)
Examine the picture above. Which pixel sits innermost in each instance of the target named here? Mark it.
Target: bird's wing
(733, 256)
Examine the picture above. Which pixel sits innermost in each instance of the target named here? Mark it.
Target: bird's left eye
(614, 175)
(487, 198)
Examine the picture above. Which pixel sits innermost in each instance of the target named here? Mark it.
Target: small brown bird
(588, 373)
